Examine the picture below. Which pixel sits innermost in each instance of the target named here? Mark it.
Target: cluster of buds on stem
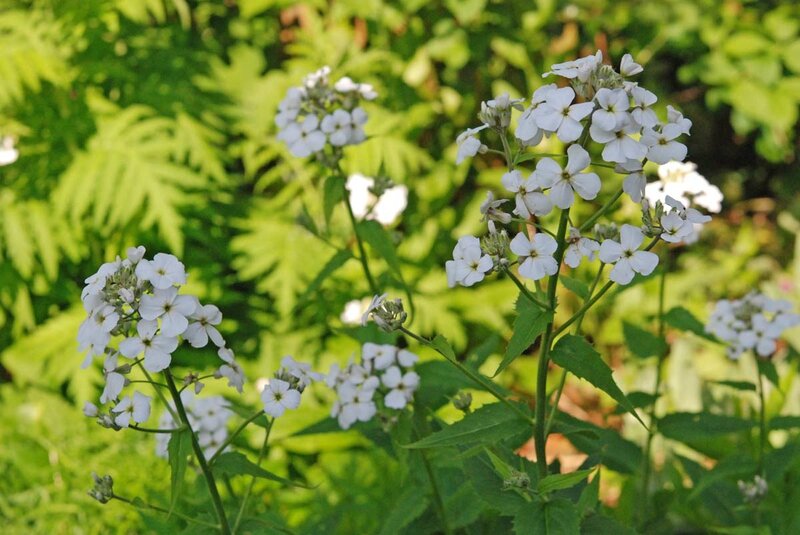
(389, 315)
(103, 490)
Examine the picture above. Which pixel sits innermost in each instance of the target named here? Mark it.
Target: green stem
(160, 394)
(201, 459)
(362, 253)
(539, 434)
(148, 430)
(261, 453)
(233, 436)
(599, 213)
(140, 503)
(564, 373)
(590, 303)
(647, 469)
(762, 423)
(476, 377)
(524, 290)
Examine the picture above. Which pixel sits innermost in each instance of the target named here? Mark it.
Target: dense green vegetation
(151, 122)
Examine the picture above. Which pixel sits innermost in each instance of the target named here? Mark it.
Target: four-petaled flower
(535, 256)
(277, 396)
(626, 257)
(564, 183)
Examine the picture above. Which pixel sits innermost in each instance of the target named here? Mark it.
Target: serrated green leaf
(531, 321)
(590, 495)
(487, 425)
(178, 449)
(336, 261)
(690, 426)
(642, 343)
(555, 482)
(409, 506)
(574, 354)
(767, 369)
(332, 194)
(236, 464)
(376, 236)
(579, 288)
(737, 385)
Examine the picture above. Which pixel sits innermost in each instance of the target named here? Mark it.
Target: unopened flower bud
(103, 490)
(517, 480)
(388, 315)
(495, 244)
(463, 401)
(90, 409)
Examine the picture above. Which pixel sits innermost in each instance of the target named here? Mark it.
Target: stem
(540, 434)
(507, 151)
(524, 290)
(587, 305)
(201, 459)
(599, 213)
(160, 394)
(362, 254)
(148, 430)
(261, 453)
(233, 435)
(475, 376)
(141, 503)
(437, 495)
(564, 373)
(657, 387)
(762, 424)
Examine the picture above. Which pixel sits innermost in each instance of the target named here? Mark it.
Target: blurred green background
(151, 122)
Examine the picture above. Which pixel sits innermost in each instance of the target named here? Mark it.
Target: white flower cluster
(753, 491)
(383, 205)
(316, 113)
(754, 322)
(681, 181)
(284, 390)
(384, 370)
(208, 416)
(139, 301)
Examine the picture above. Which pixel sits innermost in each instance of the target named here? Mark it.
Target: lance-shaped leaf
(178, 451)
(530, 323)
(642, 343)
(487, 425)
(235, 464)
(574, 354)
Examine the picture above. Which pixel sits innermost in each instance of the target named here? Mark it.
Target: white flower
(173, 309)
(468, 144)
(527, 131)
(384, 209)
(641, 112)
(682, 182)
(662, 146)
(402, 387)
(203, 327)
(230, 370)
(528, 194)
(628, 67)
(135, 254)
(354, 405)
(578, 248)
(406, 358)
(304, 138)
(565, 182)
(612, 111)
(490, 209)
(136, 409)
(114, 381)
(469, 264)
(289, 107)
(675, 117)
(301, 371)
(380, 355)
(581, 68)
(535, 256)
(277, 397)
(557, 115)
(157, 348)
(626, 257)
(619, 146)
(675, 229)
(338, 126)
(90, 409)
(162, 272)
(377, 301)
(635, 183)
(689, 214)
(8, 154)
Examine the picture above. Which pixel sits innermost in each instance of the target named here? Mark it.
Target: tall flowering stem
(540, 433)
(362, 253)
(261, 454)
(201, 459)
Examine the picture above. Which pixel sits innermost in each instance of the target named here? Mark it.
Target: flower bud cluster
(103, 490)
(318, 114)
(389, 315)
(138, 302)
(752, 323)
(385, 373)
(208, 417)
